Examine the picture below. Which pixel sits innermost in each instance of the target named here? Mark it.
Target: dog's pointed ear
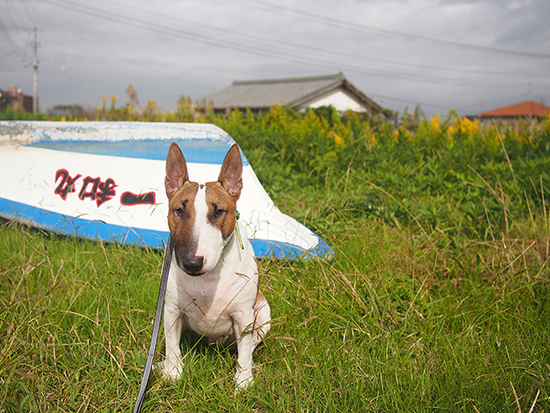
(176, 169)
(232, 172)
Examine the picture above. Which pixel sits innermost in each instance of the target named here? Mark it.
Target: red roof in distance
(523, 109)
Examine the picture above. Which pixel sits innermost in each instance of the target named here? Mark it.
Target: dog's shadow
(191, 341)
(195, 347)
(204, 361)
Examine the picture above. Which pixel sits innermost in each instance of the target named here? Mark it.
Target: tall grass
(395, 322)
(436, 299)
(455, 175)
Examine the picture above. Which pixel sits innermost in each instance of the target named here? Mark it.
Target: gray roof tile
(258, 94)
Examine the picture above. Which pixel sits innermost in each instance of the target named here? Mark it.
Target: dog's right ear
(176, 169)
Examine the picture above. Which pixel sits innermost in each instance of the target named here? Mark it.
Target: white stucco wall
(340, 101)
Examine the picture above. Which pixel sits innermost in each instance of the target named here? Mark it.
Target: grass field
(437, 298)
(395, 322)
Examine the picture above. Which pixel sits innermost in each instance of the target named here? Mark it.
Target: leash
(156, 325)
(158, 312)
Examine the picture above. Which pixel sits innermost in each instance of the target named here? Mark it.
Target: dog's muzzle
(192, 265)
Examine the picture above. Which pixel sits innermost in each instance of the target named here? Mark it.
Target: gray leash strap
(156, 325)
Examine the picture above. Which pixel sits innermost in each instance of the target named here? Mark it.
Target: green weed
(397, 321)
(436, 299)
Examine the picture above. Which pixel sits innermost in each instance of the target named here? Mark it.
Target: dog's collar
(238, 231)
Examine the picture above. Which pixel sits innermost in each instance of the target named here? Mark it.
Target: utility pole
(35, 74)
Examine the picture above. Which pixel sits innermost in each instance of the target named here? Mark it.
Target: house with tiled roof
(523, 110)
(296, 92)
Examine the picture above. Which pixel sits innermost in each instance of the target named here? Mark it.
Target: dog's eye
(180, 211)
(218, 212)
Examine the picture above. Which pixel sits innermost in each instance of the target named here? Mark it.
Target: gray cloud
(466, 55)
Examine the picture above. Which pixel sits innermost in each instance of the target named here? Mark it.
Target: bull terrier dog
(213, 283)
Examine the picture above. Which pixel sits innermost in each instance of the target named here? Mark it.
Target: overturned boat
(105, 181)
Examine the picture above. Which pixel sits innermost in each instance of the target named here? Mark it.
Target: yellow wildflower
(337, 138)
(434, 126)
(450, 134)
(467, 127)
(463, 127)
(395, 134)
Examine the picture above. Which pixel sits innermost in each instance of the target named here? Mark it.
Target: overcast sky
(458, 54)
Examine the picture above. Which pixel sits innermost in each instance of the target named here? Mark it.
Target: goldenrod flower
(434, 126)
(464, 127)
(337, 138)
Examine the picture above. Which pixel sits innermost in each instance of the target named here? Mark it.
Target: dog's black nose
(193, 265)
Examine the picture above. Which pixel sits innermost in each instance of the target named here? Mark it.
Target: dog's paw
(243, 380)
(170, 370)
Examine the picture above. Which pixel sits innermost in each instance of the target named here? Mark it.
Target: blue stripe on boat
(207, 151)
(94, 230)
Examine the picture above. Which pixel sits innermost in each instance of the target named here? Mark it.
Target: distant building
(512, 113)
(297, 92)
(16, 99)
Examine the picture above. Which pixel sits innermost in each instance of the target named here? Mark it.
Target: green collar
(228, 240)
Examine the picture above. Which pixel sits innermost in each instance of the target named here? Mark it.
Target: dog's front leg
(243, 325)
(173, 326)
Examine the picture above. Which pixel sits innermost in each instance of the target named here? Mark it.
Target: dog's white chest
(209, 301)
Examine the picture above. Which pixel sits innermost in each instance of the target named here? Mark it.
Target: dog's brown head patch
(221, 208)
(201, 217)
(222, 195)
(181, 206)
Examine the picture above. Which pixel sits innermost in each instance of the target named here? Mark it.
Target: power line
(266, 46)
(170, 31)
(107, 49)
(12, 17)
(7, 36)
(310, 48)
(35, 72)
(13, 52)
(384, 32)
